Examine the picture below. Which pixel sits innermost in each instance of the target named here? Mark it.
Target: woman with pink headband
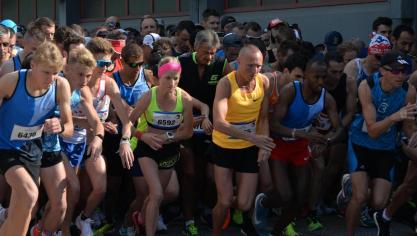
(168, 113)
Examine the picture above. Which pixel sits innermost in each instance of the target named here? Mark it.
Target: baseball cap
(151, 38)
(226, 20)
(10, 24)
(275, 22)
(232, 40)
(394, 58)
(332, 39)
(117, 45)
(379, 45)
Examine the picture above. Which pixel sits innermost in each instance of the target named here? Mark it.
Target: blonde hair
(49, 54)
(82, 56)
(166, 60)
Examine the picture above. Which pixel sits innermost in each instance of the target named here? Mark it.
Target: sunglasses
(103, 63)
(253, 37)
(395, 71)
(5, 44)
(135, 65)
(378, 56)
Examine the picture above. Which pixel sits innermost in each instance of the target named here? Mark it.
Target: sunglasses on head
(135, 64)
(395, 71)
(103, 63)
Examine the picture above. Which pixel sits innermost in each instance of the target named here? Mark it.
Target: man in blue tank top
(290, 125)
(387, 102)
(29, 98)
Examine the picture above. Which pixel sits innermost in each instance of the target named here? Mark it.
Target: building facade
(353, 18)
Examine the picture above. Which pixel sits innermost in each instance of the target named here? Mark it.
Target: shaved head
(248, 50)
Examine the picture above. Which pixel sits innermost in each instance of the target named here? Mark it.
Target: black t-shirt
(204, 89)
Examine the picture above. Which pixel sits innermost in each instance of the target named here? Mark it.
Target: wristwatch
(170, 136)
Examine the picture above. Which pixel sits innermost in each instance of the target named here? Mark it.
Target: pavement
(334, 226)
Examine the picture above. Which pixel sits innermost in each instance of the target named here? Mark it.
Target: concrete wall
(350, 20)
(354, 20)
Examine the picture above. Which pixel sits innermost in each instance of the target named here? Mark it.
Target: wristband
(124, 142)
(62, 129)
(293, 133)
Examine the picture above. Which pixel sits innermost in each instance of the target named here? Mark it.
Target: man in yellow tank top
(241, 134)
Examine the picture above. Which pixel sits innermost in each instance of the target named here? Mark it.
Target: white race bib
(323, 122)
(249, 127)
(26, 133)
(167, 120)
(198, 129)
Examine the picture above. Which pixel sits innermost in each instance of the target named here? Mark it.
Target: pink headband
(171, 66)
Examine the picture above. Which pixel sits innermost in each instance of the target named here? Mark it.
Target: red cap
(117, 44)
(275, 22)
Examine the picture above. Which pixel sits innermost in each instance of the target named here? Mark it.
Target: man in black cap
(388, 104)
(232, 43)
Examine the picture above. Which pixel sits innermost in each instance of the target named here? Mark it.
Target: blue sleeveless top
(22, 116)
(301, 114)
(131, 94)
(385, 104)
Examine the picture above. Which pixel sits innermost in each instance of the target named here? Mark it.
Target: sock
(189, 222)
(385, 215)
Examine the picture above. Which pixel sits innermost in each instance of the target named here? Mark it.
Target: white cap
(150, 38)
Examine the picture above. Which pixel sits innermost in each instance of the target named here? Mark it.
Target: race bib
(198, 129)
(167, 119)
(249, 127)
(323, 122)
(26, 133)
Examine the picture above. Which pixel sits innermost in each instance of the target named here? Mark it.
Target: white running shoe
(84, 226)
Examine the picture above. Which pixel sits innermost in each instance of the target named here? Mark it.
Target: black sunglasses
(135, 65)
(394, 71)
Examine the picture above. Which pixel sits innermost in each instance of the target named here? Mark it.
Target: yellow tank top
(242, 113)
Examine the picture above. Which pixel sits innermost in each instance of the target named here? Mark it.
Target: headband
(170, 66)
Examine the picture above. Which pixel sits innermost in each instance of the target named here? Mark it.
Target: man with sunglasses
(387, 104)
(361, 68)
(4, 44)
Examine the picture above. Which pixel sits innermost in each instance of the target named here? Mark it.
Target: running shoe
(260, 214)
(3, 214)
(314, 223)
(247, 228)
(366, 218)
(381, 224)
(84, 226)
(127, 231)
(160, 225)
(35, 231)
(237, 217)
(190, 230)
(346, 187)
(290, 230)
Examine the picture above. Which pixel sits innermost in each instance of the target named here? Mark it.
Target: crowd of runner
(223, 122)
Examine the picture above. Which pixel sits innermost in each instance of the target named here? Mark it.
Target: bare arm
(95, 146)
(121, 108)
(351, 70)
(63, 97)
(286, 97)
(331, 110)
(351, 93)
(409, 126)
(7, 67)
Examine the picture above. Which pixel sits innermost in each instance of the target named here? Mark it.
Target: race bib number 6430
(26, 133)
